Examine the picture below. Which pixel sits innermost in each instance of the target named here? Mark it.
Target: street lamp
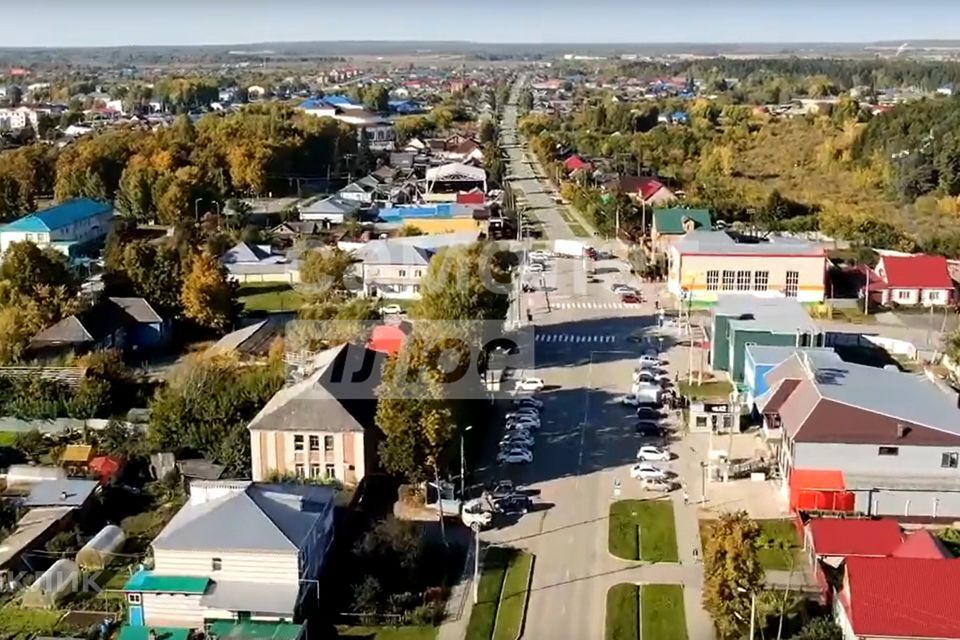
(196, 208)
(463, 463)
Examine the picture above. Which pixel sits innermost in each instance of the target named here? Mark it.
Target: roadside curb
(526, 599)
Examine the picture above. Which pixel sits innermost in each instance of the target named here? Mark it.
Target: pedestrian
(657, 303)
(686, 497)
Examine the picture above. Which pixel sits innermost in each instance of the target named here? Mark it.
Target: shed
(57, 581)
(76, 457)
(21, 474)
(98, 550)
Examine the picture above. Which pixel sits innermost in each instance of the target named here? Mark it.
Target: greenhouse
(59, 580)
(100, 548)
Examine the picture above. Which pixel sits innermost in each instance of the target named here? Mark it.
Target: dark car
(647, 429)
(629, 298)
(649, 413)
(617, 285)
(512, 505)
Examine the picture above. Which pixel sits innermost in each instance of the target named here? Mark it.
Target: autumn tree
(155, 272)
(323, 274)
(731, 572)
(487, 131)
(209, 298)
(26, 267)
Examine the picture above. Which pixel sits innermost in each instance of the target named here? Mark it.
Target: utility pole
(476, 562)
(443, 530)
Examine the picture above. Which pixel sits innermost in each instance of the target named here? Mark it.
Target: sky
(60, 23)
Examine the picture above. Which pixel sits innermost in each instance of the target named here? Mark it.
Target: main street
(585, 348)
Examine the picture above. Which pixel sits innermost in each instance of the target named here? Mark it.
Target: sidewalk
(459, 604)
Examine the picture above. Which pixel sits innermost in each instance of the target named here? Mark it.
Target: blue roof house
(66, 227)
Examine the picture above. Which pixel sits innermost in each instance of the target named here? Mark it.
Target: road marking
(573, 337)
(594, 305)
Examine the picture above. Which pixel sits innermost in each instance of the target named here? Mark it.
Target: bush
(430, 614)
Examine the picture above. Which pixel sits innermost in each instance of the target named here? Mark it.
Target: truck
(570, 248)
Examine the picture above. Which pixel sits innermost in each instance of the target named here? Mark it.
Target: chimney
(902, 431)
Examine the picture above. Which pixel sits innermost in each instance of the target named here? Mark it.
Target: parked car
(476, 513)
(618, 287)
(525, 422)
(523, 411)
(644, 471)
(519, 402)
(535, 267)
(523, 439)
(513, 505)
(650, 453)
(629, 298)
(654, 484)
(539, 255)
(530, 384)
(649, 362)
(649, 413)
(649, 429)
(504, 489)
(391, 309)
(515, 456)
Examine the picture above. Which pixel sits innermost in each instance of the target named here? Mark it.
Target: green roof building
(669, 224)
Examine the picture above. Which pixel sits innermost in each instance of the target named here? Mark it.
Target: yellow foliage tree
(208, 297)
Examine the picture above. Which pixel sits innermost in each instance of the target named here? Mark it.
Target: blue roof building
(63, 226)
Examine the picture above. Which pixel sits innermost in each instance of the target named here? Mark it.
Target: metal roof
(765, 314)
(145, 580)
(246, 516)
(60, 493)
(670, 221)
(232, 595)
(701, 241)
(58, 216)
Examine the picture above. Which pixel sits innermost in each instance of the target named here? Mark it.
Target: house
(670, 225)
(832, 540)
(738, 321)
(322, 426)
(361, 192)
(760, 359)
(247, 262)
(438, 218)
(643, 190)
(73, 493)
(854, 438)
(704, 266)
(576, 163)
(904, 598)
(378, 130)
(114, 323)
(392, 268)
(66, 227)
(915, 280)
(405, 107)
(253, 341)
(388, 338)
(444, 182)
(293, 229)
(237, 552)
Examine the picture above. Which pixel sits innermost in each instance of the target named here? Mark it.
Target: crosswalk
(593, 305)
(573, 337)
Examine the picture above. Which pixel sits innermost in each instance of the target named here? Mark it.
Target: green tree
(26, 267)
(323, 274)
(464, 282)
(209, 298)
(412, 413)
(376, 97)
(822, 628)
(487, 132)
(154, 272)
(525, 103)
(731, 572)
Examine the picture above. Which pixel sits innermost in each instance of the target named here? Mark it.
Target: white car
(539, 255)
(535, 267)
(521, 402)
(519, 439)
(649, 362)
(630, 401)
(655, 454)
(644, 471)
(391, 309)
(523, 424)
(515, 456)
(523, 411)
(530, 384)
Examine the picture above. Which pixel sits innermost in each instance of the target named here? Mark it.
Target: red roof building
(475, 196)
(900, 598)
(575, 163)
(833, 539)
(105, 468)
(387, 338)
(912, 280)
(922, 544)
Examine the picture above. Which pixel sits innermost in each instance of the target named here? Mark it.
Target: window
(949, 460)
(760, 280)
(934, 295)
(903, 294)
(417, 273)
(402, 273)
(330, 471)
(701, 422)
(793, 284)
(314, 443)
(328, 444)
(416, 288)
(298, 443)
(743, 281)
(298, 469)
(713, 280)
(314, 471)
(728, 280)
(133, 598)
(216, 564)
(889, 451)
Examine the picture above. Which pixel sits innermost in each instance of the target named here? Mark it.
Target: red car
(629, 298)
(591, 253)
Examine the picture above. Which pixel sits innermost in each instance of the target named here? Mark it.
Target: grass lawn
(778, 545)
(513, 598)
(20, 623)
(388, 633)
(269, 296)
(712, 389)
(623, 601)
(484, 613)
(661, 608)
(657, 535)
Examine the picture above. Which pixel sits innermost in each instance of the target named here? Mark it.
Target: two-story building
(238, 553)
(849, 437)
(322, 426)
(66, 227)
(703, 266)
(392, 268)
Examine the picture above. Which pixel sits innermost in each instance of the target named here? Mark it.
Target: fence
(68, 375)
(57, 425)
